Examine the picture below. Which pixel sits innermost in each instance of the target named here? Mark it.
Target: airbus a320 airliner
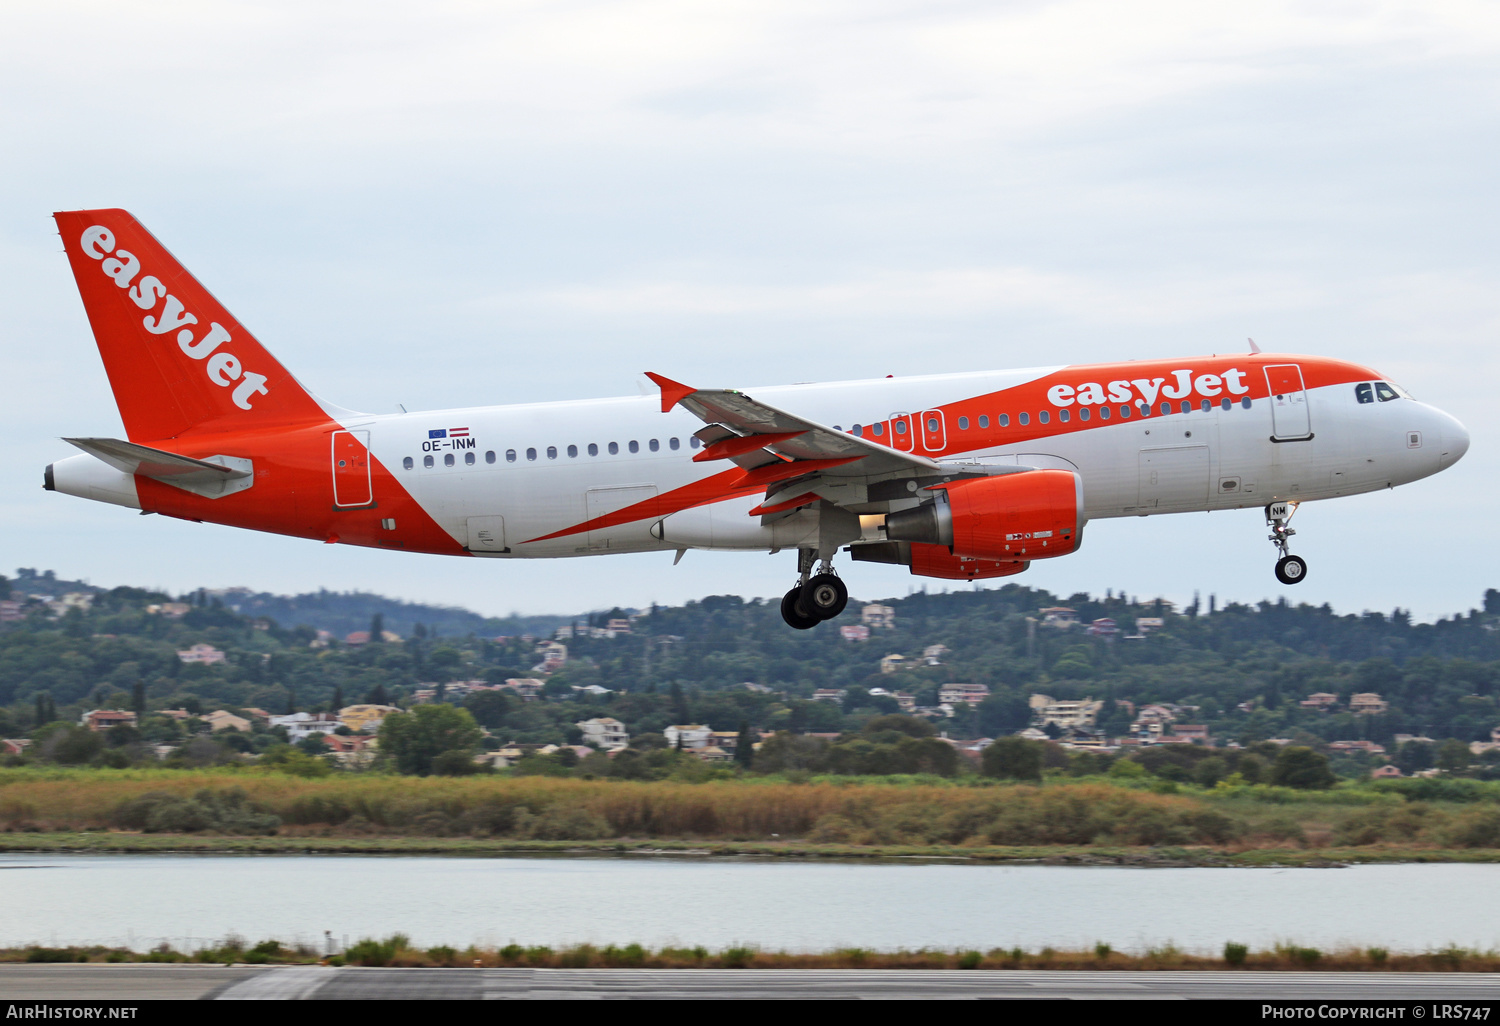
(958, 476)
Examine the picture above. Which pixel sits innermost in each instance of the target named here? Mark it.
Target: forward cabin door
(351, 469)
(1289, 416)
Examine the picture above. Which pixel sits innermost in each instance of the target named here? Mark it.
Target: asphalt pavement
(144, 981)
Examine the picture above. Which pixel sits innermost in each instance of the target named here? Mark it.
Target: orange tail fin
(176, 359)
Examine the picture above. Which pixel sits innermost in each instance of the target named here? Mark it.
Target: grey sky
(448, 204)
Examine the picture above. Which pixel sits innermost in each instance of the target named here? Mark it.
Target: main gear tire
(793, 614)
(1291, 569)
(824, 596)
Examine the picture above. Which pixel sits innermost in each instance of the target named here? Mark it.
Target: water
(141, 900)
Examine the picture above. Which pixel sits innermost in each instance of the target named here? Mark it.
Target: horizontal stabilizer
(146, 461)
(214, 477)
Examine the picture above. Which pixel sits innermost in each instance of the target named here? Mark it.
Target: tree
(377, 696)
(744, 748)
(377, 629)
(413, 740)
(338, 699)
(138, 699)
(1302, 768)
(489, 708)
(1453, 755)
(1013, 758)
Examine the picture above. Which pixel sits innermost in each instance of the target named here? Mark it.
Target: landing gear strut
(814, 598)
(1290, 569)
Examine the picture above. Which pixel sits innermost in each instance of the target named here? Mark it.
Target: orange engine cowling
(1035, 514)
(937, 561)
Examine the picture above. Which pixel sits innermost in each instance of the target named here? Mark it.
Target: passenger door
(1289, 416)
(351, 469)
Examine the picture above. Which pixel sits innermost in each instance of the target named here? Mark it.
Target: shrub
(442, 954)
(369, 952)
(737, 958)
(52, 955)
(1235, 954)
(1377, 955)
(970, 960)
(228, 812)
(1102, 951)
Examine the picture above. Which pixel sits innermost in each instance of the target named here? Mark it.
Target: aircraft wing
(754, 435)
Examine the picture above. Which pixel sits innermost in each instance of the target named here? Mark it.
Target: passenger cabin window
(572, 452)
(1103, 413)
(1205, 406)
(1245, 402)
(984, 422)
(489, 456)
(654, 445)
(468, 459)
(1166, 408)
(900, 427)
(1226, 403)
(673, 444)
(694, 442)
(510, 455)
(1004, 420)
(963, 424)
(1385, 393)
(1187, 406)
(552, 452)
(593, 449)
(1063, 415)
(857, 431)
(1124, 412)
(1043, 417)
(531, 454)
(614, 448)
(448, 459)
(879, 429)
(635, 446)
(1023, 419)
(407, 463)
(1083, 414)
(427, 462)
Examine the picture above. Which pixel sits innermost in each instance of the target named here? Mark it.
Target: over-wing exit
(959, 476)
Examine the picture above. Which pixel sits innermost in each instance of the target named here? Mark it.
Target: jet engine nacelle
(1036, 514)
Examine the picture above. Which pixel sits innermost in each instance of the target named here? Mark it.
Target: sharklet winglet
(672, 392)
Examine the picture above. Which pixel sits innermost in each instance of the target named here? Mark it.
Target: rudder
(176, 359)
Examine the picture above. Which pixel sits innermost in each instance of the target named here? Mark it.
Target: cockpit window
(1385, 393)
(1363, 394)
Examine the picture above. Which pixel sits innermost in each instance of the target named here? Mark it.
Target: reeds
(840, 812)
(398, 950)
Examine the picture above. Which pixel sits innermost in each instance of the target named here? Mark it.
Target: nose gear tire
(792, 613)
(1291, 569)
(824, 596)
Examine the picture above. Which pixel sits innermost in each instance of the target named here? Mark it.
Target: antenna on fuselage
(1253, 347)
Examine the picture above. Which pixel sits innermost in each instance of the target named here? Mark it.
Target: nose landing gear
(814, 598)
(1290, 569)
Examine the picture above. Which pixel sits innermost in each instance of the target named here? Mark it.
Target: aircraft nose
(1455, 440)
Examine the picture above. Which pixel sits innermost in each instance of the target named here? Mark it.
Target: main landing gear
(815, 598)
(1290, 569)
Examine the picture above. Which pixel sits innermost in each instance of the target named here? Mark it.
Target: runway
(128, 982)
